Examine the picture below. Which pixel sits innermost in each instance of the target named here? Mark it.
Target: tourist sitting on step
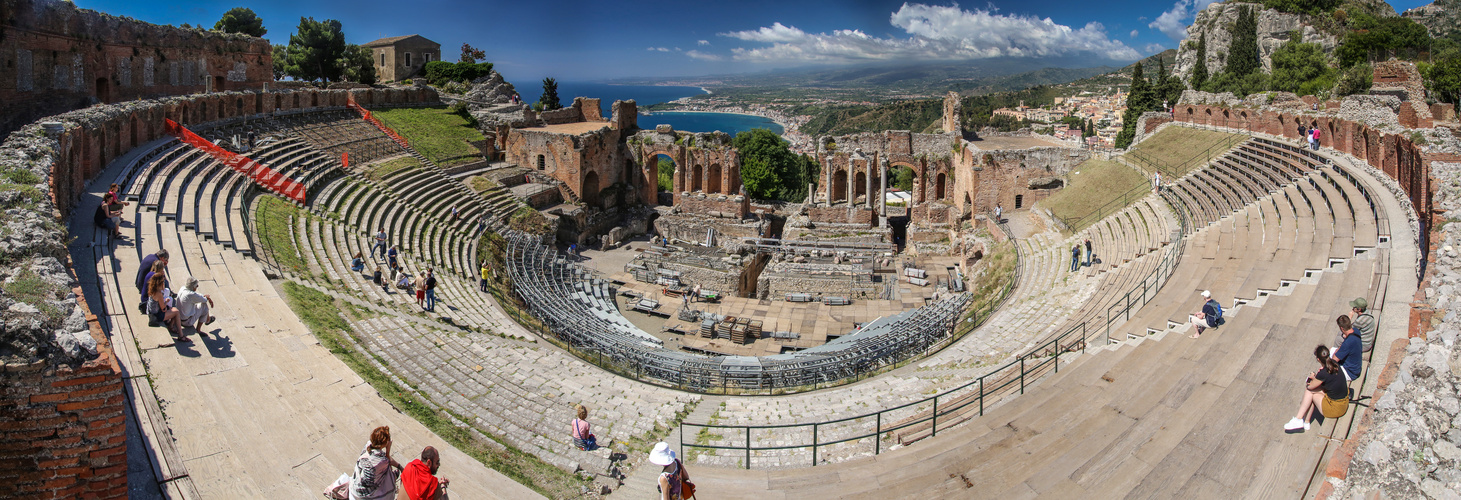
(1211, 315)
(674, 480)
(357, 263)
(160, 307)
(144, 272)
(377, 278)
(193, 306)
(1350, 351)
(1325, 390)
(105, 218)
(418, 478)
(403, 282)
(582, 437)
(1364, 324)
(375, 470)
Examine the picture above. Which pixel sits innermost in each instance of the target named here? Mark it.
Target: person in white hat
(674, 481)
(1210, 316)
(194, 307)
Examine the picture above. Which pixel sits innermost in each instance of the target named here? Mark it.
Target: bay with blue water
(649, 95)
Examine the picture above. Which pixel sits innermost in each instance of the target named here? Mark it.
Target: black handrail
(1031, 364)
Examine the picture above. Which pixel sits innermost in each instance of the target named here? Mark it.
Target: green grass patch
(28, 287)
(321, 313)
(995, 275)
(1183, 148)
(275, 219)
(482, 184)
(1094, 190)
(436, 132)
(384, 169)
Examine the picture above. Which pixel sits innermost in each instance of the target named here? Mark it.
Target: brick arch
(588, 191)
(838, 190)
(734, 187)
(713, 178)
(697, 173)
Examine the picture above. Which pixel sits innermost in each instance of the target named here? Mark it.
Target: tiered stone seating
(341, 131)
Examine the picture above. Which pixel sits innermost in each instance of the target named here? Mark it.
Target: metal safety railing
(952, 406)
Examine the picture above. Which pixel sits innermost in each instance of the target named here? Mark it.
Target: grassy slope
(384, 169)
(1093, 185)
(435, 132)
(1183, 147)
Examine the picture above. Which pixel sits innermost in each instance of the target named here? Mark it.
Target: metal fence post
(1022, 374)
(814, 444)
(878, 439)
(981, 396)
(935, 415)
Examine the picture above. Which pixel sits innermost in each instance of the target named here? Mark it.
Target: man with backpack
(1211, 315)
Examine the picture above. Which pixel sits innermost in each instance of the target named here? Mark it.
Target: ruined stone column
(868, 188)
(883, 190)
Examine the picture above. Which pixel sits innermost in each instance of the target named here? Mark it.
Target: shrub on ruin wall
(442, 72)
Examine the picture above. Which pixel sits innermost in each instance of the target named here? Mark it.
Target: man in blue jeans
(1075, 257)
(380, 242)
(430, 290)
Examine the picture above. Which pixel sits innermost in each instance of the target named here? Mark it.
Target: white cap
(661, 455)
(1207, 294)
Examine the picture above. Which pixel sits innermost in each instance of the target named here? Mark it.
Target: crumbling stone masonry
(56, 57)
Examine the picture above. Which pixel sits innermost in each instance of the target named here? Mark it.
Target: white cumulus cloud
(935, 33)
(658, 49)
(704, 42)
(1174, 21)
(1133, 33)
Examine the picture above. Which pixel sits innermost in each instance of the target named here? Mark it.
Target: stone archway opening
(859, 186)
(901, 178)
(664, 168)
(589, 191)
(712, 181)
(839, 186)
(938, 186)
(697, 175)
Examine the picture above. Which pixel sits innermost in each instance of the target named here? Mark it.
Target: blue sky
(597, 39)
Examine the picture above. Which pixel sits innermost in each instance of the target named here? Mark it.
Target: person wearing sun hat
(1364, 322)
(674, 480)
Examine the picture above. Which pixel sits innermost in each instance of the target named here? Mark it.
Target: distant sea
(648, 95)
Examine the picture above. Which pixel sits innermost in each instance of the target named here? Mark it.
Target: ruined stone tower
(953, 112)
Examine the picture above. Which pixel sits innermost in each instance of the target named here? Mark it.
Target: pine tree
(1142, 98)
(1243, 53)
(549, 100)
(1199, 72)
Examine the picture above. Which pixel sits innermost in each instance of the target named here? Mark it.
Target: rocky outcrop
(1274, 29)
(1441, 18)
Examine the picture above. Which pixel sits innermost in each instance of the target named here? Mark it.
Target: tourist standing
(420, 289)
(998, 214)
(486, 273)
(1088, 252)
(1157, 182)
(380, 242)
(430, 290)
(674, 480)
(1075, 257)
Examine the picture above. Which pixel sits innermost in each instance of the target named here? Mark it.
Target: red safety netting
(350, 101)
(262, 175)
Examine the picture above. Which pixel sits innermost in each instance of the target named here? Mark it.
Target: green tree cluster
(1199, 72)
(1301, 68)
(769, 168)
(1380, 37)
(442, 72)
(666, 173)
(241, 20)
(1312, 7)
(1142, 98)
(549, 100)
(317, 52)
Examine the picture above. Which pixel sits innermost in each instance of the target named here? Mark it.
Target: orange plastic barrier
(260, 174)
(350, 101)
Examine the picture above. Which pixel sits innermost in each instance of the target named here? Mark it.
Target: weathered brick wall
(862, 217)
(55, 57)
(718, 206)
(62, 431)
